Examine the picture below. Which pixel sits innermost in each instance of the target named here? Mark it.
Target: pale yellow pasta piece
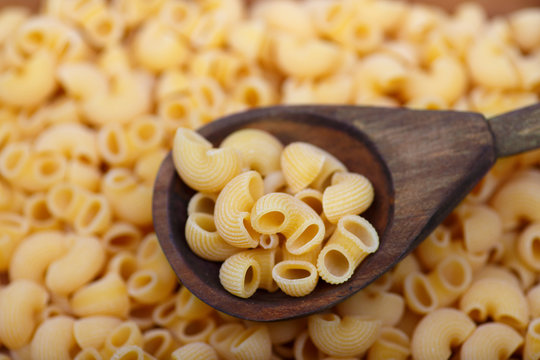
(124, 264)
(33, 256)
(304, 164)
(141, 315)
(407, 265)
(125, 334)
(54, 339)
(121, 236)
(303, 348)
(112, 144)
(287, 16)
(105, 296)
(159, 343)
(527, 246)
(232, 210)
(151, 257)
(65, 200)
(269, 241)
(379, 74)
(483, 190)
(450, 279)
(386, 306)
(193, 330)
(309, 256)
(195, 351)
(15, 160)
(145, 134)
(30, 85)
(353, 239)
(248, 38)
(260, 150)
(10, 20)
(284, 331)
(222, 338)
(481, 227)
(157, 47)
(531, 349)
(180, 15)
(88, 354)
(295, 277)
(438, 331)
(13, 227)
(147, 166)
(252, 343)
(148, 287)
(163, 314)
(314, 198)
(188, 306)
(391, 344)
(71, 139)
(498, 299)
(533, 299)
(419, 294)
(254, 91)
(19, 302)
(240, 274)
(95, 215)
(129, 199)
(346, 336)
(129, 352)
(348, 194)
(492, 340)
(435, 247)
(171, 82)
(204, 240)
(91, 331)
(84, 175)
(201, 167)
(267, 259)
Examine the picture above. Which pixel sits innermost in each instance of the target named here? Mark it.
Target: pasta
(491, 340)
(295, 277)
(54, 339)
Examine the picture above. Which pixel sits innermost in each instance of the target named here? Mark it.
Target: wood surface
(430, 160)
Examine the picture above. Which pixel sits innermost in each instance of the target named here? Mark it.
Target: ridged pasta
(54, 339)
(481, 227)
(188, 306)
(438, 331)
(159, 343)
(195, 351)
(222, 338)
(202, 203)
(498, 299)
(204, 240)
(346, 336)
(232, 210)
(260, 150)
(304, 164)
(91, 331)
(125, 334)
(391, 344)
(201, 167)
(71, 140)
(129, 352)
(240, 274)
(348, 194)
(252, 343)
(267, 260)
(528, 246)
(295, 277)
(531, 350)
(353, 239)
(19, 302)
(489, 341)
(386, 306)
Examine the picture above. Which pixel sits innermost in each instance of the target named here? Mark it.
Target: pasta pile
(269, 231)
(91, 94)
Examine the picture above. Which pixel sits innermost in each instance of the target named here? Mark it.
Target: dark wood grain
(422, 163)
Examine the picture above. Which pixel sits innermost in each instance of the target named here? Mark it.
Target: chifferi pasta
(95, 93)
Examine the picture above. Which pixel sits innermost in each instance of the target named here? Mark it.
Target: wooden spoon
(421, 163)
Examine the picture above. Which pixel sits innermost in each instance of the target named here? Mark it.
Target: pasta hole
(122, 241)
(121, 336)
(272, 220)
(251, 97)
(476, 314)
(249, 278)
(195, 327)
(295, 274)
(535, 247)
(453, 273)
(112, 143)
(306, 236)
(126, 268)
(252, 233)
(422, 293)
(143, 280)
(104, 27)
(336, 263)
(155, 344)
(91, 213)
(146, 132)
(205, 205)
(313, 203)
(359, 231)
(40, 211)
(165, 313)
(206, 223)
(49, 168)
(176, 111)
(509, 320)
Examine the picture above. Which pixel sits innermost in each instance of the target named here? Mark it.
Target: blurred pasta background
(91, 93)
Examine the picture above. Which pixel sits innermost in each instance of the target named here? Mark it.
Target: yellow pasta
(202, 203)
(54, 339)
(531, 349)
(295, 277)
(304, 348)
(193, 330)
(159, 343)
(88, 354)
(252, 343)
(391, 344)
(72, 140)
(419, 293)
(260, 150)
(188, 306)
(91, 331)
(204, 240)
(121, 236)
(240, 274)
(147, 286)
(346, 336)
(353, 240)
(450, 279)
(527, 246)
(94, 216)
(64, 200)
(491, 340)
(438, 332)
(195, 351)
(386, 306)
(222, 338)
(232, 210)
(125, 334)
(19, 301)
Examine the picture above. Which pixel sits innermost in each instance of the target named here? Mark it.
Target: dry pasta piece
(450, 279)
(195, 351)
(346, 336)
(295, 277)
(232, 210)
(349, 194)
(492, 340)
(193, 330)
(304, 348)
(129, 352)
(159, 343)
(260, 150)
(240, 274)
(54, 339)
(91, 331)
(304, 164)
(527, 246)
(252, 343)
(147, 286)
(353, 240)
(386, 306)
(438, 331)
(201, 167)
(531, 349)
(19, 302)
(88, 354)
(481, 227)
(391, 344)
(419, 293)
(204, 240)
(267, 260)
(202, 203)
(222, 338)
(125, 334)
(188, 306)
(65, 200)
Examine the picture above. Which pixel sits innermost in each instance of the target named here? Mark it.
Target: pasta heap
(91, 94)
(265, 238)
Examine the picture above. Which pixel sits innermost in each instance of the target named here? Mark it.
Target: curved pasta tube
(260, 150)
(145, 134)
(12, 229)
(349, 194)
(204, 240)
(450, 279)
(125, 335)
(188, 306)
(508, 306)
(65, 200)
(34, 255)
(232, 210)
(147, 166)
(295, 277)
(282, 213)
(200, 166)
(386, 306)
(303, 348)
(353, 240)
(346, 336)
(91, 331)
(54, 339)
(19, 302)
(438, 331)
(379, 74)
(297, 21)
(252, 343)
(195, 351)
(32, 83)
(304, 164)
(88, 354)
(391, 344)
(490, 341)
(240, 274)
(131, 352)
(267, 260)
(222, 338)
(481, 227)
(37, 213)
(313, 198)
(531, 349)
(81, 79)
(151, 257)
(94, 216)
(435, 247)
(159, 343)
(528, 246)
(193, 330)
(71, 139)
(121, 237)
(309, 256)
(148, 287)
(419, 293)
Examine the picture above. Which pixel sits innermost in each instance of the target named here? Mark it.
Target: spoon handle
(516, 131)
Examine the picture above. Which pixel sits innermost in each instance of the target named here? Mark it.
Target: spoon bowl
(421, 164)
